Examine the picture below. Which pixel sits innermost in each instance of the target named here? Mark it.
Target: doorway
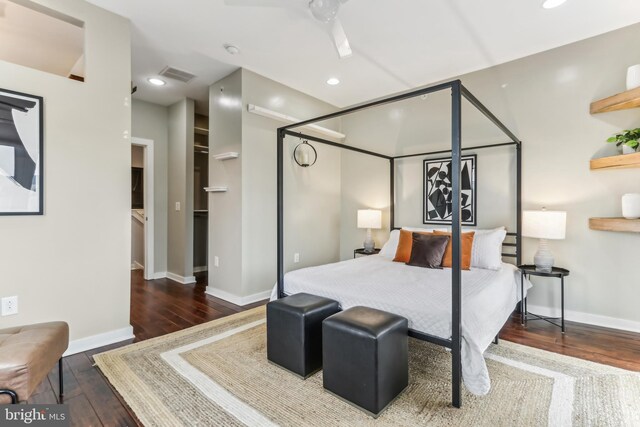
(142, 206)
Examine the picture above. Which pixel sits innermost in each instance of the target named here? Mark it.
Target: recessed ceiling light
(550, 4)
(231, 49)
(333, 81)
(156, 81)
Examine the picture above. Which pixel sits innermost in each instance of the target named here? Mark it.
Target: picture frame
(437, 194)
(21, 154)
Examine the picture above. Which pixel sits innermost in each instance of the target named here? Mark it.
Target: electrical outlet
(296, 257)
(9, 306)
(216, 261)
(177, 206)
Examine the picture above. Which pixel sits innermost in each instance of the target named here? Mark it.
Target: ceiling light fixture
(550, 4)
(231, 49)
(333, 81)
(156, 81)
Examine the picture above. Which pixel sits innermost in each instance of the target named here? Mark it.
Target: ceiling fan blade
(340, 40)
(262, 3)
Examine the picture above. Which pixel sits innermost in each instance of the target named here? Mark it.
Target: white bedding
(423, 296)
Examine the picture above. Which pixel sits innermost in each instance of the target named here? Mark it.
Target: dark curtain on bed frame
(458, 91)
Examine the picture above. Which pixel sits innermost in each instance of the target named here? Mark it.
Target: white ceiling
(397, 44)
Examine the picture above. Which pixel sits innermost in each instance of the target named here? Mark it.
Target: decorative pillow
(405, 242)
(427, 250)
(389, 248)
(487, 249)
(467, 246)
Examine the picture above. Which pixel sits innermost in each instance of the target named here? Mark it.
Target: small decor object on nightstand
(369, 218)
(532, 270)
(361, 251)
(544, 225)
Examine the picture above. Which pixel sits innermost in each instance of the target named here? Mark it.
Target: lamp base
(368, 244)
(543, 259)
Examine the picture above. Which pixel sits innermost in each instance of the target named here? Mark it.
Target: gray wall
(150, 121)
(79, 250)
(180, 189)
(225, 209)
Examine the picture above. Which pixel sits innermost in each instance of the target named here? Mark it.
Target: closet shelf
(615, 224)
(616, 162)
(201, 131)
(216, 189)
(620, 101)
(226, 156)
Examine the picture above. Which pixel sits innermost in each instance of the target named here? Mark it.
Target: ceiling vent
(175, 74)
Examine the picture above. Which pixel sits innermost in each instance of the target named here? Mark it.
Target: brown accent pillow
(403, 252)
(467, 245)
(427, 250)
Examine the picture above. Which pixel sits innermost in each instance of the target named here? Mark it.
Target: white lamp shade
(369, 218)
(544, 224)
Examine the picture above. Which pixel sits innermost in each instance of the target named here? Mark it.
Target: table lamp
(544, 225)
(369, 218)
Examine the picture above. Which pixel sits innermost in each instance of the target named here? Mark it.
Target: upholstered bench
(294, 331)
(365, 357)
(27, 355)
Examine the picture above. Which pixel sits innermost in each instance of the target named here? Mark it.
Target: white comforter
(423, 296)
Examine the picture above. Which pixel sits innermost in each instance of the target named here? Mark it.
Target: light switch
(177, 206)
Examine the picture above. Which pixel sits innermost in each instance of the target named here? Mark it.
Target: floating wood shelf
(617, 162)
(226, 156)
(621, 101)
(201, 131)
(615, 224)
(217, 189)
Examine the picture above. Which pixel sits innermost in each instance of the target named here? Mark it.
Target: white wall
(73, 263)
(545, 100)
(180, 190)
(150, 121)
(242, 221)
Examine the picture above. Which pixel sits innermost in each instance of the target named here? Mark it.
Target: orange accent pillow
(467, 245)
(405, 243)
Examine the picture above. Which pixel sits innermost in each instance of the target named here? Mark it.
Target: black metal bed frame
(458, 91)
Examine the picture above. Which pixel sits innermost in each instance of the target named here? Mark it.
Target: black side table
(530, 270)
(361, 251)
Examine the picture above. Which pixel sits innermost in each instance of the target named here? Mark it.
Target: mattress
(423, 296)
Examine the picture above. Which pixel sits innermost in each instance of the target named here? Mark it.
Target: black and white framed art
(21, 149)
(437, 198)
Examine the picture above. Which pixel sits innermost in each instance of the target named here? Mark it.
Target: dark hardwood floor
(162, 306)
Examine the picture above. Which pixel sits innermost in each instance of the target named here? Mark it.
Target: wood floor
(161, 306)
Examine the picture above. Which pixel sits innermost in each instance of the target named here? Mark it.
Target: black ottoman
(294, 331)
(365, 357)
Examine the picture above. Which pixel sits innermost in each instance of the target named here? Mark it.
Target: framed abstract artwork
(438, 195)
(21, 149)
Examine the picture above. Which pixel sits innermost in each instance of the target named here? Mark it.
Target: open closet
(200, 197)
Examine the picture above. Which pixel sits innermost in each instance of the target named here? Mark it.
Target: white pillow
(487, 249)
(389, 248)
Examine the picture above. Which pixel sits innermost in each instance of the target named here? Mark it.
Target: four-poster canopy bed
(458, 91)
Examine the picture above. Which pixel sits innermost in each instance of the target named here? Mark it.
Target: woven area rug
(217, 374)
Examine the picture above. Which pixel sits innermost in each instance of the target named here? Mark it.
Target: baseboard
(181, 279)
(590, 319)
(200, 269)
(235, 299)
(95, 341)
(160, 275)
(135, 265)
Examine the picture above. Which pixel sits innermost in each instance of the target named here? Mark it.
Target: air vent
(174, 73)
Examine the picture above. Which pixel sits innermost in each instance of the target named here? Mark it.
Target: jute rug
(217, 374)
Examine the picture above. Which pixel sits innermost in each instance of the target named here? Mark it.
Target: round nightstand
(531, 270)
(361, 251)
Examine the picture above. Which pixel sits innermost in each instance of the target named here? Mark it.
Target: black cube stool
(365, 357)
(294, 331)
